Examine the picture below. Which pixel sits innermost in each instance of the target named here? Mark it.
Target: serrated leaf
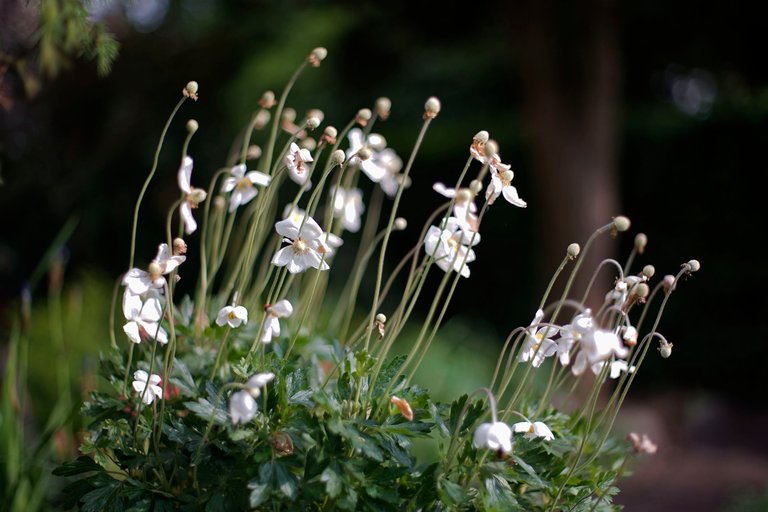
(302, 397)
(78, 466)
(286, 482)
(387, 373)
(451, 493)
(101, 497)
(528, 469)
(332, 481)
(182, 379)
(206, 411)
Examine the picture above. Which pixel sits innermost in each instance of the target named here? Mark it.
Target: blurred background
(655, 110)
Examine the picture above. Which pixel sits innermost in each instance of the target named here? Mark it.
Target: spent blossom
(348, 206)
(243, 185)
(464, 207)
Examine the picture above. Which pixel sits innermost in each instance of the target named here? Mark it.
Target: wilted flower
(233, 316)
(242, 185)
(403, 406)
(534, 430)
(295, 162)
(501, 183)
(570, 334)
(496, 436)
(147, 386)
(464, 207)
(642, 444)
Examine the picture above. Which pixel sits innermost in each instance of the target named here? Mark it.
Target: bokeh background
(656, 110)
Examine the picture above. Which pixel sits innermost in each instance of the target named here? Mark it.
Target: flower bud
(154, 269)
(192, 126)
(219, 203)
(190, 90)
(338, 156)
(400, 224)
(363, 116)
(669, 282)
(197, 195)
(573, 251)
(313, 122)
(640, 290)
(331, 132)
(621, 223)
(403, 406)
(316, 112)
(475, 186)
(648, 271)
(693, 266)
(464, 195)
(481, 137)
(308, 143)
(381, 317)
(640, 242)
(383, 106)
(289, 115)
(179, 246)
(262, 118)
(318, 55)
(431, 108)
(491, 148)
(364, 154)
(253, 152)
(665, 348)
(267, 100)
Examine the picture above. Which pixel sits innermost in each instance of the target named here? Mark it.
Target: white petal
(260, 380)
(289, 227)
(247, 194)
(184, 175)
(137, 281)
(242, 407)
(311, 230)
(185, 211)
(223, 316)
(443, 190)
(510, 194)
(238, 171)
(283, 257)
(522, 426)
(229, 184)
(281, 309)
(132, 330)
(241, 313)
(259, 178)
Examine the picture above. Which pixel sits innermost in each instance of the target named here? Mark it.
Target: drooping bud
(403, 406)
(253, 152)
(481, 137)
(693, 266)
(192, 126)
(179, 246)
(363, 116)
(669, 283)
(431, 108)
(383, 106)
(621, 223)
(665, 348)
(219, 203)
(381, 317)
(190, 91)
(491, 148)
(262, 118)
(640, 290)
(317, 56)
(640, 242)
(573, 251)
(308, 143)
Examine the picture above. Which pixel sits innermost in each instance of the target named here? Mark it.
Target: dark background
(655, 110)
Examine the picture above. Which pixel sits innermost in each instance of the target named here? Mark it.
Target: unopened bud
(381, 318)
(464, 195)
(400, 224)
(669, 282)
(253, 152)
(179, 246)
(330, 131)
(197, 195)
(383, 106)
(665, 348)
(190, 90)
(621, 223)
(262, 118)
(481, 137)
(640, 290)
(364, 154)
(363, 116)
(308, 143)
(648, 271)
(313, 122)
(573, 251)
(640, 242)
(318, 55)
(693, 266)
(289, 115)
(338, 156)
(192, 126)
(431, 108)
(491, 148)
(267, 100)
(219, 203)
(316, 112)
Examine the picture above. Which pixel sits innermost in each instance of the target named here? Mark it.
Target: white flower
(383, 165)
(276, 311)
(233, 316)
(570, 334)
(242, 407)
(192, 196)
(450, 246)
(242, 185)
(140, 282)
(295, 160)
(616, 367)
(501, 183)
(143, 317)
(599, 346)
(388, 159)
(495, 436)
(242, 404)
(147, 386)
(348, 205)
(534, 430)
(538, 344)
(302, 252)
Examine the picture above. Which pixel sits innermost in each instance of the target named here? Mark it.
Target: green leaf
(528, 469)
(205, 410)
(451, 493)
(287, 483)
(182, 379)
(101, 497)
(387, 374)
(332, 480)
(78, 466)
(259, 493)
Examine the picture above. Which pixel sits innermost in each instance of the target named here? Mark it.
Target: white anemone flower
(534, 430)
(501, 184)
(147, 386)
(616, 368)
(570, 334)
(295, 161)
(242, 404)
(242, 185)
(143, 318)
(192, 196)
(392, 179)
(383, 165)
(450, 246)
(275, 312)
(600, 346)
(496, 436)
(348, 206)
(234, 316)
(140, 282)
(302, 235)
(538, 344)
(464, 207)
